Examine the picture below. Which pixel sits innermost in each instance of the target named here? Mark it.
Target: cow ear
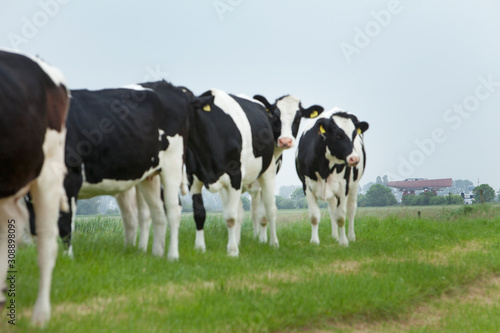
(312, 112)
(361, 127)
(322, 126)
(204, 102)
(264, 101)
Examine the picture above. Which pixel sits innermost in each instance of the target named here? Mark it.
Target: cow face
(339, 134)
(285, 115)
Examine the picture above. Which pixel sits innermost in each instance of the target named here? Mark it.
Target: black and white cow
(121, 138)
(230, 146)
(330, 161)
(285, 116)
(33, 106)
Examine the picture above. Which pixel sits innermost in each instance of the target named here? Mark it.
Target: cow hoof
(40, 317)
(274, 244)
(344, 243)
(233, 252)
(263, 238)
(173, 258)
(202, 249)
(158, 253)
(351, 238)
(2, 305)
(315, 241)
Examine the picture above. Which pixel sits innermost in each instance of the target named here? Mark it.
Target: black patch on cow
(262, 136)
(214, 145)
(199, 211)
(355, 174)
(347, 177)
(30, 102)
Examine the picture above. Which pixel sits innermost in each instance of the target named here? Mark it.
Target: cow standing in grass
(33, 107)
(330, 161)
(121, 138)
(230, 146)
(284, 116)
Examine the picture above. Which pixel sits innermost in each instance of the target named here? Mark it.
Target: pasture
(436, 273)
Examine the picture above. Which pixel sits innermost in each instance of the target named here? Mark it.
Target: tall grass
(398, 262)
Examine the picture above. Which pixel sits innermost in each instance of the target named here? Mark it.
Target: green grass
(399, 263)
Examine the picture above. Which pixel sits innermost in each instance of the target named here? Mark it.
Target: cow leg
(239, 221)
(199, 214)
(338, 219)
(9, 211)
(151, 193)
(47, 195)
(144, 218)
(257, 212)
(230, 198)
(352, 204)
(171, 186)
(66, 223)
(314, 215)
(267, 183)
(332, 207)
(128, 209)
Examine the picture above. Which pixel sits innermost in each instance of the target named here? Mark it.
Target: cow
(285, 115)
(230, 146)
(122, 138)
(33, 106)
(330, 161)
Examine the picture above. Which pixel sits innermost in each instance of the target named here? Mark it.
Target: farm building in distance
(410, 185)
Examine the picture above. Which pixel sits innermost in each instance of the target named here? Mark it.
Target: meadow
(439, 272)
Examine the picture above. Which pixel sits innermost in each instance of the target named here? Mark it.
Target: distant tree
(301, 204)
(286, 191)
(284, 203)
(361, 200)
(379, 180)
(385, 180)
(297, 195)
(498, 197)
(88, 206)
(454, 199)
(367, 187)
(378, 195)
(458, 186)
(246, 203)
(488, 193)
(408, 200)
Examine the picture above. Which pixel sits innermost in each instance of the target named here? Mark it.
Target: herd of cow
(143, 144)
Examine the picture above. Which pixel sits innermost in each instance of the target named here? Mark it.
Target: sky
(424, 74)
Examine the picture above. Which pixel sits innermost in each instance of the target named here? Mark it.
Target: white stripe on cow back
(251, 166)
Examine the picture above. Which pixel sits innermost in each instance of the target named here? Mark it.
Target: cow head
(339, 133)
(285, 115)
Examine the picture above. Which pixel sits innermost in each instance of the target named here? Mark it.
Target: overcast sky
(424, 74)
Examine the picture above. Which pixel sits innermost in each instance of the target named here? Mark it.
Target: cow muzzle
(352, 160)
(285, 143)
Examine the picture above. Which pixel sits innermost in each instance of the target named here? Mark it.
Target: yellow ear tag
(359, 131)
(322, 129)
(314, 114)
(267, 109)
(207, 108)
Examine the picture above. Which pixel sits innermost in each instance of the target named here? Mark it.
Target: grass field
(437, 273)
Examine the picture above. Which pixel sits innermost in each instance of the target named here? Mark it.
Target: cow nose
(353, 161)
(285, 142)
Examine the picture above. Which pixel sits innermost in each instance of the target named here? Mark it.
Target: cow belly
(251, 170)
(325, 190)
(109, 186)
